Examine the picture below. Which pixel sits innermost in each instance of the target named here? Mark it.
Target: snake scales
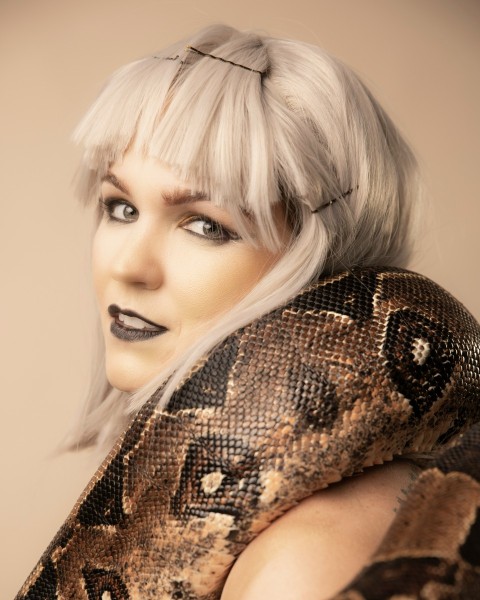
(358, 368)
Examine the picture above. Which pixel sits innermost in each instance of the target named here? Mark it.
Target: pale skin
(315, 549)
(168, 254)
(163, 252)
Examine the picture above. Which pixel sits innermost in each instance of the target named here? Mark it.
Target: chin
(130, 367)
(126, 377)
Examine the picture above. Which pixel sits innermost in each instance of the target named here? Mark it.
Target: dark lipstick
(128, 333)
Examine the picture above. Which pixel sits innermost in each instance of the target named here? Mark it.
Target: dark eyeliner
(104, 206)
(108, 205)
(227, 235)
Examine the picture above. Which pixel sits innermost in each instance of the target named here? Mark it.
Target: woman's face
(166, 264)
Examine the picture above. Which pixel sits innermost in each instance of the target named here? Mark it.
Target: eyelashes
(120, 211)
(203, 226)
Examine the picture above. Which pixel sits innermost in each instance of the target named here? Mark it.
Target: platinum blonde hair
(303, 132)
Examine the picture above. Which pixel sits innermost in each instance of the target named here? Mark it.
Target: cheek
(102, 249)
(97, 262)
(215, 282)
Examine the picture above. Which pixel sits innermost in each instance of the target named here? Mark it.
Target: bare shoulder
(316, 548)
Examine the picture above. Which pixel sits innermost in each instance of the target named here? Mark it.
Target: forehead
(135, 173)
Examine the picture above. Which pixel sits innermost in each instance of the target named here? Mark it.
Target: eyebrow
(110, 177)
(176, 196)
(179, 196)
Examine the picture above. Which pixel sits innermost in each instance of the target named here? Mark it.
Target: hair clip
(333, 200)
(192, 49)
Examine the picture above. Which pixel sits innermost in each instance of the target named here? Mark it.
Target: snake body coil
(357, 369)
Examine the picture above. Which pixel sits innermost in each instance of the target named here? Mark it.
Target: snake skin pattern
(432, 550)
(357, 369)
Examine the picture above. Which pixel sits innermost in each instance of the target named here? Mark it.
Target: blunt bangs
(202, 117)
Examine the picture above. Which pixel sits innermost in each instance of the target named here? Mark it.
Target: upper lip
(114, 310)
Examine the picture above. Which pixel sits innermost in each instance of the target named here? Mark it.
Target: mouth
(129, 326)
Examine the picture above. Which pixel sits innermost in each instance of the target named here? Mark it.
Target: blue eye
(119, 210)
(209, 229)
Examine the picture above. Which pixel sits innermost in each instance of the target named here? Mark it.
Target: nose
(137, 260)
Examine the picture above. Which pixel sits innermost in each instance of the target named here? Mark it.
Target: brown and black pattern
(357, 369)
(432, 550)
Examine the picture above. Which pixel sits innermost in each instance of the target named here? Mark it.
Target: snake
(360, 367)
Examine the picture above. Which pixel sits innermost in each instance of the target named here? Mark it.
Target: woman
(297, 128)
(230, 171)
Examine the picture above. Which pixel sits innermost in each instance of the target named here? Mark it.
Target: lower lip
(134, 335)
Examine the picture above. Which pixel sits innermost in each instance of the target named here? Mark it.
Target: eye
(209, 229)
(118, 210)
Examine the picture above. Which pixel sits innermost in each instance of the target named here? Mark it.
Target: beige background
(421, 58)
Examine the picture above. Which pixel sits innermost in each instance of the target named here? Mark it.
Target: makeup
(131, 326)
(167, 251)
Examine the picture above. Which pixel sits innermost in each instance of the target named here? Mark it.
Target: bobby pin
(192, 49)
(333, 200)
(262, 73)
